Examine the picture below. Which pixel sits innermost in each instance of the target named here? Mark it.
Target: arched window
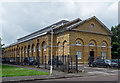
(92, 26)
(23, 50)
(91, 44)
(78, 43)
(44, 46)
(103, 45)
(58, 46)
(20, 52)
(26, 49)
(33, 48)
(29, 49)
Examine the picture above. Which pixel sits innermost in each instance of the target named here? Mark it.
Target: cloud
(21, 18)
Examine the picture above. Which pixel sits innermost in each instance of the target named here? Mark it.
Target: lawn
(17, 71)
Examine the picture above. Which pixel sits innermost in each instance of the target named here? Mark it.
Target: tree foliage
(115, 41)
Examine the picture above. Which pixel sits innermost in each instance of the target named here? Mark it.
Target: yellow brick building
(84, 38)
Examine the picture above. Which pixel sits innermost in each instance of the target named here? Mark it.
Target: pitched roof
(58, 26)
(41, 32)
(83, 21)
(45, 30)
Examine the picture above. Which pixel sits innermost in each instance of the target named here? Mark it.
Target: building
(84, 38)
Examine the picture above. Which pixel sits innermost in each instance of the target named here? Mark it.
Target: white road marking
(99, 72)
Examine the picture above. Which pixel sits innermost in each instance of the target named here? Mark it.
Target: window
(103, 55)
(20, 51)
(91, 44)
(26, 50)
(78, 43)
(78, 53)
(33, 48)
(58, 46)
(103, 45)
(29, 49)
(44, 46)
(92, 26)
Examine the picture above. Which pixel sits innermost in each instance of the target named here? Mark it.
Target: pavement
(58, 74)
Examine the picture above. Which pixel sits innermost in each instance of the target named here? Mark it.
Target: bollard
(71, 61)
(57, 61)
(45, 62)
(63, 63)
(68, 63)
(76, 63)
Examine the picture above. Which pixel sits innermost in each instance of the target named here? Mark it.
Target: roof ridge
(43, 29)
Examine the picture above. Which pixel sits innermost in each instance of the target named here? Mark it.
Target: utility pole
(51, 48)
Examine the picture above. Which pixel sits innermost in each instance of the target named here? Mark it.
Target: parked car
(55, 62)
(3, 60)
(7, 60)
(29, 61)
(11, 60)
(104, 63)
(116, 61)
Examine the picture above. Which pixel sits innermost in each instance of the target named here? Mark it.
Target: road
(89, 78)
(101, 74)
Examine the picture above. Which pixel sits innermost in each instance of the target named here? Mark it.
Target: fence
(65, 63)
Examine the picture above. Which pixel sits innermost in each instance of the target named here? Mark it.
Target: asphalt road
(89, 78)
(101, 74)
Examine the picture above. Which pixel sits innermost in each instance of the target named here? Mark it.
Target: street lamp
(0, 48)
(51, 47)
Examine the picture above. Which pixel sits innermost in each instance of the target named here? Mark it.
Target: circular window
(92, 26)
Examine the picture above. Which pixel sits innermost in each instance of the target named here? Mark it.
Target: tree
(115, 41)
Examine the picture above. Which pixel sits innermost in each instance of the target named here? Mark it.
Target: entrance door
(92, 55)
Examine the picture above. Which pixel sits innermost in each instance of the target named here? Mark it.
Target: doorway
(92, 55)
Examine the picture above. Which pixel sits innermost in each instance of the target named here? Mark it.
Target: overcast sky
(18, 19)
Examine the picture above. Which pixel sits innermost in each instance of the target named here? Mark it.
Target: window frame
(103, 45)
(20, 52)
(79, 56)
(78, 44)
(92, 26)
(44, 47)
(103, 54)
(26, 50)
(91, 44)
(33, 48)
(29, 49)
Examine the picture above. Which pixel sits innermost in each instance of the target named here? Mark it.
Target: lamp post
(0, 48)
(51, 48)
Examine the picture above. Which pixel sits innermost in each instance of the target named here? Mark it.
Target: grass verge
(17, 71)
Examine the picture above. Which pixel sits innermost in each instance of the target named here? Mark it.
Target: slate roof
(41, 32)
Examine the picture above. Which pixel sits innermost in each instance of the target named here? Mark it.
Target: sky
(20, 18)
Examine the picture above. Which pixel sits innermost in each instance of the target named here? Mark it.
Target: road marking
(99, 72)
